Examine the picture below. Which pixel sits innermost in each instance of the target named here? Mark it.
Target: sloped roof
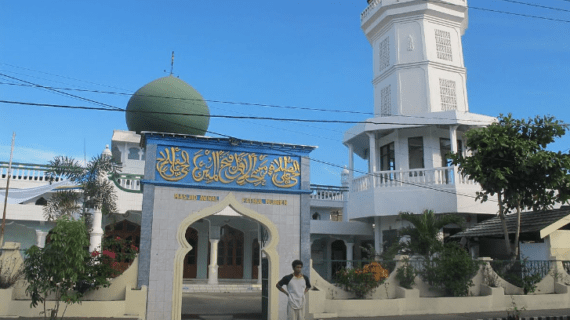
(544, 222)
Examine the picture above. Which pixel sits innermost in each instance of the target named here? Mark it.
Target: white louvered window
(386, 101)
(443, 45)
(384, 54)
(448, 94)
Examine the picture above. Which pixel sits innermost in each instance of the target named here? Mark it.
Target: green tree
(424, 230)
(64, 267)
(95, 190)
(509, 159)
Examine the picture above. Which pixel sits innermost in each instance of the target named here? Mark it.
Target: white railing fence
(322, 192)
(433, 176)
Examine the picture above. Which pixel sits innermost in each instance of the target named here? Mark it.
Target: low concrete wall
(120, 300)
(413, 304)
(553, 292)
(116, 291)
(134, 306)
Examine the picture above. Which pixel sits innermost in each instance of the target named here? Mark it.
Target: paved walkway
(247, 306)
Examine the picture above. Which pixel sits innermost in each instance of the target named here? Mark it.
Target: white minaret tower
(418, 57)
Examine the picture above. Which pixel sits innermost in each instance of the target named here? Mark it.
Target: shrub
(9, 272)
(451, 270)
(521, 273)
(406, 274)
(361, 281)
(64, 267)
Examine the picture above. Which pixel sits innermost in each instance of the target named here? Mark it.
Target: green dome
(148, 108)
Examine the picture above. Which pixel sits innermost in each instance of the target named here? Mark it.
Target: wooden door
(230, 254)
(191, 259)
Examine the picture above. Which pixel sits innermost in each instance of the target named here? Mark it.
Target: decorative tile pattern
(443, 45)
(448, 95)
(384, 52)
(386, 101)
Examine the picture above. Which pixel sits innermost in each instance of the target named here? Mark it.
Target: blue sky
(284, 53)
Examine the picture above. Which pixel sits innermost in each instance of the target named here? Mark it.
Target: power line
(228, 102)
(189, 99)
(60, 92)
(507, 12)
(116, 109)
(535, 5)
(519, 14)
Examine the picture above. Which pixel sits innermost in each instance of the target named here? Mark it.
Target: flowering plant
(362, 281)
(117, 254)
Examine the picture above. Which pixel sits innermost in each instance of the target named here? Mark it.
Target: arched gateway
(196, 191)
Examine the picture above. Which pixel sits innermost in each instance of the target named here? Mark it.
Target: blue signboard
(217, 164)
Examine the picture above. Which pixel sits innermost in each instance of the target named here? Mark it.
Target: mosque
(206, 210)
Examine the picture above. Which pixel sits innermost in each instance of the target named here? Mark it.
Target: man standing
(297, 286)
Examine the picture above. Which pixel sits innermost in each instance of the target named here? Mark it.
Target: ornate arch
(270, 251)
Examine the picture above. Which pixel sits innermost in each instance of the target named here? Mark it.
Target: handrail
(323, 192)
(127, 182)
(411, 177)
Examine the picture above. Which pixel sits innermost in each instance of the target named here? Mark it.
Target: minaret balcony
(387, 193)
(412, 177)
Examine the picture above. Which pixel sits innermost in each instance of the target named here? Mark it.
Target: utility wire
(60, 92)
(536, 5)
(188, 99)
(116, 109)
(226, 102)
(506, 12)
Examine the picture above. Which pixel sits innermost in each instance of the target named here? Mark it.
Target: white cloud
(30, 155)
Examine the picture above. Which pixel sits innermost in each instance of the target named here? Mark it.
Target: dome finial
(172, 63)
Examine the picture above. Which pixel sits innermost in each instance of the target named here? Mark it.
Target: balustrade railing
(25, 172)
(321, 192)
(371, 5)
(393, 178)
(127, 182)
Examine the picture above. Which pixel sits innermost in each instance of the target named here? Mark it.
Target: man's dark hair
(296, 263)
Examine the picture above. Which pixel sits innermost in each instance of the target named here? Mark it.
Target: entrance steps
(223, 286)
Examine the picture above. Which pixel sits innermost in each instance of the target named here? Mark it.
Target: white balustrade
(26, 173)
(370, 7)
(129, 182)
(412, 177)
(327, 193)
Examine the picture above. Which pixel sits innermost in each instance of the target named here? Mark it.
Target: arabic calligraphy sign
(226, 167)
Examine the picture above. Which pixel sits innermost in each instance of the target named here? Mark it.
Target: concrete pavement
(247, 306)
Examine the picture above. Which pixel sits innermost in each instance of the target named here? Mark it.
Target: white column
(378, 248)
(372, 151)
(41, 238)
(453, 143)
(350, 164)
(97, 232)
(453, 138)
(328, 257)
(213, 267)
(349, 254)
(247, 254)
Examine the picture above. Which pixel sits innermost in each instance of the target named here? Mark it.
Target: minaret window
(416, 152)
(386, 101)
(447, 94)
(134, 154)
(387, 159)
(443, 45)
(384, 51)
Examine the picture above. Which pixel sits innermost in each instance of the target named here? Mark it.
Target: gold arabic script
(171, 166)
(243, 168)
